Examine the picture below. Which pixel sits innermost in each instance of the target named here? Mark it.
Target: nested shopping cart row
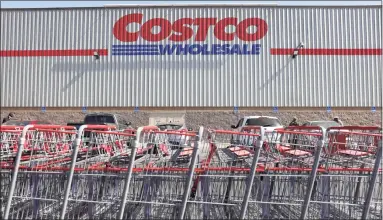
(98, 172)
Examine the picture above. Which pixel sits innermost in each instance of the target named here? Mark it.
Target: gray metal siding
(192, 80)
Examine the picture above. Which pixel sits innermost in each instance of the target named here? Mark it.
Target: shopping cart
(39, 177)
(96, 178)
(349, 182)
(38, 146)
(225, 160)
(283, 176)
(163, 164)
(10, 136)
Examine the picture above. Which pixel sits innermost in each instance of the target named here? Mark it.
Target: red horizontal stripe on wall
(51, 53)
(337, 52)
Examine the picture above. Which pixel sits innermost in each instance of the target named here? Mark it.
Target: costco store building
(192, 57)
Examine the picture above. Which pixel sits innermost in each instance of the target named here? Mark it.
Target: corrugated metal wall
(192, 80)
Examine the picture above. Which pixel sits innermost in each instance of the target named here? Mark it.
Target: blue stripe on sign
(134, 49)
(134, 53)
(134, 46)
(126, 53)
